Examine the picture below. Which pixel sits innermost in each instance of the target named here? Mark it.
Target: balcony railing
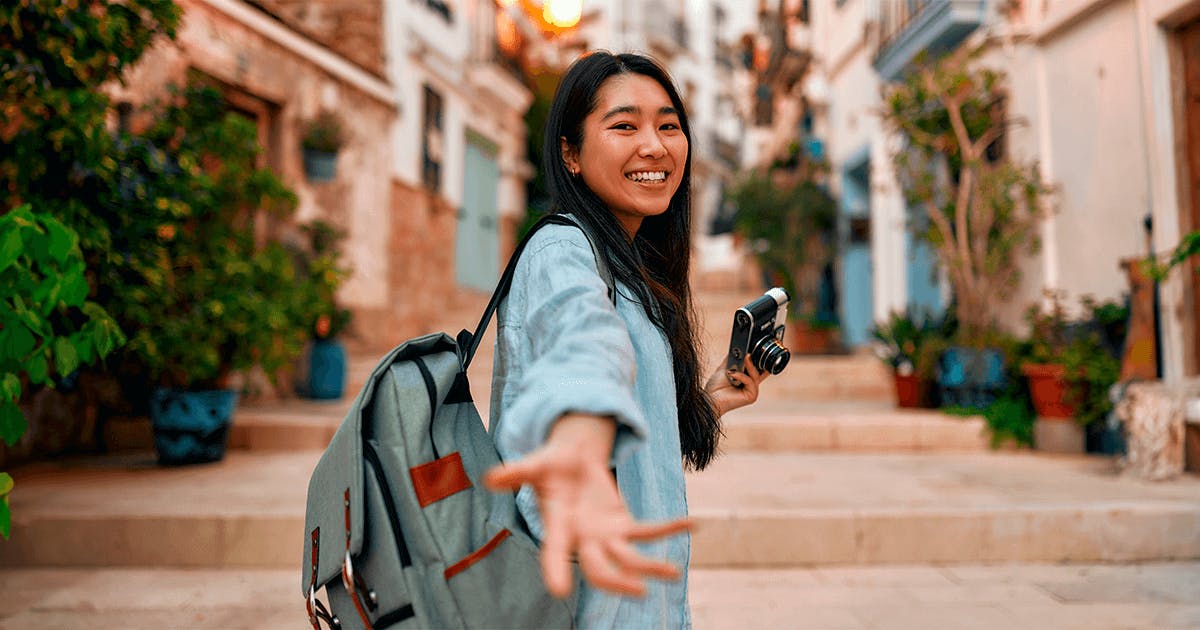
(908, 27)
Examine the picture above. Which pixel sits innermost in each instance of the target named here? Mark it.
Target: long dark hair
(655, 265)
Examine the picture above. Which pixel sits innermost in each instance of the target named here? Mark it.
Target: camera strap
(468, 342)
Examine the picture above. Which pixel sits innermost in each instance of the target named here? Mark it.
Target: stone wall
(353, 28)
(421, 254)
(284, 88)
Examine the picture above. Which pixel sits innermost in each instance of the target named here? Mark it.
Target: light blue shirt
(562, 346)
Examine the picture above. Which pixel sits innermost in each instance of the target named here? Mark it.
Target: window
(440, 7)
(432, 141)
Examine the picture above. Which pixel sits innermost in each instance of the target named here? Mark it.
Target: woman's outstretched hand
(582, 511)
(730, 390)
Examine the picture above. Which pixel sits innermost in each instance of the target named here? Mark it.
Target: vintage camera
(758, 332)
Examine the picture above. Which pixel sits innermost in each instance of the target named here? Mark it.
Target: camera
(758, 332)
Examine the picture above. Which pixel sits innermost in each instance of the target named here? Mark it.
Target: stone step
(769, 426)
(749, 509)
(1155, 595)
(772, 426)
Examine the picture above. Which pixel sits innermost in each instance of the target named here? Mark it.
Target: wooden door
(1189, 38)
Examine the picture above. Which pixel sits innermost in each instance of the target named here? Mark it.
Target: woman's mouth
(647, 177)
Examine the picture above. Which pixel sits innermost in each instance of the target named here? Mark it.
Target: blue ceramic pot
(970, 377)
(191, 427)
(327, 369)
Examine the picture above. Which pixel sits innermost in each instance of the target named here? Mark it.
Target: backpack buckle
(318, 613)
(353, 581)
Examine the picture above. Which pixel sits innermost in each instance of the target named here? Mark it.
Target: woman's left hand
(727, 395)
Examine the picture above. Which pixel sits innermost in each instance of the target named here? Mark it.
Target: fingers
(633, 562)
(556, 549)
(754, 372)
(651, 531)
(602, 572)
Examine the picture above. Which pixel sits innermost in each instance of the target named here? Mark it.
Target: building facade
(1102, 89)
(431, 175)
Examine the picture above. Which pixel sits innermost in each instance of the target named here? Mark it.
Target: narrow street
(829, 509)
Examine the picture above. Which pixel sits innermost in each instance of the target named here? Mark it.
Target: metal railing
(895, 16)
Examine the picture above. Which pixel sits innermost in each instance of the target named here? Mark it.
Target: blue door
(924, 288)
(477, 246)
(857, 303)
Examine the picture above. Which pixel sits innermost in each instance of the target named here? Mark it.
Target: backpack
(399, 530)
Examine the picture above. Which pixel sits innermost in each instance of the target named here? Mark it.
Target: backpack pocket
(500, 585)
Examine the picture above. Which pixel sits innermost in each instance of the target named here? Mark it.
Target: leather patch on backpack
(439, 479)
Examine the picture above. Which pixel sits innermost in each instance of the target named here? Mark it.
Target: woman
(583, 388)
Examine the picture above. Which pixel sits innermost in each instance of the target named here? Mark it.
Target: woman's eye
(623, 126)
(669, 126)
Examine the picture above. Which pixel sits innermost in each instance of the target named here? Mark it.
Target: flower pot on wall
(1048, 389)
(191, 427)
(320, 166)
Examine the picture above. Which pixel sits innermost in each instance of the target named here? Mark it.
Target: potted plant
(899, 344)
(1071, 366)
(1043, 365)
(789, 221)
(323, 137)
(321, 373)
(982, 206)
(200, 296)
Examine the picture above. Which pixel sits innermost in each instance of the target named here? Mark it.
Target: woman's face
(633, 150)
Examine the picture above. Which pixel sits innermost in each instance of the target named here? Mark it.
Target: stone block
(1155, 415)
(1058, 435)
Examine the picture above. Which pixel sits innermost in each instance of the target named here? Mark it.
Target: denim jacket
(562, 346)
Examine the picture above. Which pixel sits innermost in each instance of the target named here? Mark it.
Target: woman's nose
(651, 145)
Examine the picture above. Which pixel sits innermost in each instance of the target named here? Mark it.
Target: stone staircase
(813, 475)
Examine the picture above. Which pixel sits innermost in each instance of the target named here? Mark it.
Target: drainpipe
(1148, 224)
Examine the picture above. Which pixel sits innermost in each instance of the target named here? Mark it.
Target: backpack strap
(468, 341)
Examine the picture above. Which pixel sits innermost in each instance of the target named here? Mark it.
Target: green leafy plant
(323, 133)
(1010, 418)
(1088, 349)
(323, 267)
(1188, 247)
(789, 220)
(983, 208)
(48, 327)
(202, 295)
(6, 486)
(899, 339)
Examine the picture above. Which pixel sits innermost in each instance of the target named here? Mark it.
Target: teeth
(648, 176)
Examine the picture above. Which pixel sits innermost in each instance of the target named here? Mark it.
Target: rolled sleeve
(581, 358)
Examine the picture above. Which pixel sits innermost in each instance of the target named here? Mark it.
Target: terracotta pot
(803, 338)
(909, 391)
(1048, 389)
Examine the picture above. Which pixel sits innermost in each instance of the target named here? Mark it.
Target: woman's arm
(582, 511)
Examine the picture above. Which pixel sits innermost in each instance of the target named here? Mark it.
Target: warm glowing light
(506, 3)
(562, 13)
(507, 36)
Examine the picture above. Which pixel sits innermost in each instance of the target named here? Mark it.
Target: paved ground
(1093, 597)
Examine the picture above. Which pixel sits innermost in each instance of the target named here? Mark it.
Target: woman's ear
(570, 156)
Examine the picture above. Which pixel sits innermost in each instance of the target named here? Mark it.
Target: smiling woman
(634, 150)
(588, 384)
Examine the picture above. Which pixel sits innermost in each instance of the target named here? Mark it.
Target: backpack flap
(335, 514)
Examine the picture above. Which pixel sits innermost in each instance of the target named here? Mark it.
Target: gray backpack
(399, 529)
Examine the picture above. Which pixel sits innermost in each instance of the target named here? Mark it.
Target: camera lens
(770, 356)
